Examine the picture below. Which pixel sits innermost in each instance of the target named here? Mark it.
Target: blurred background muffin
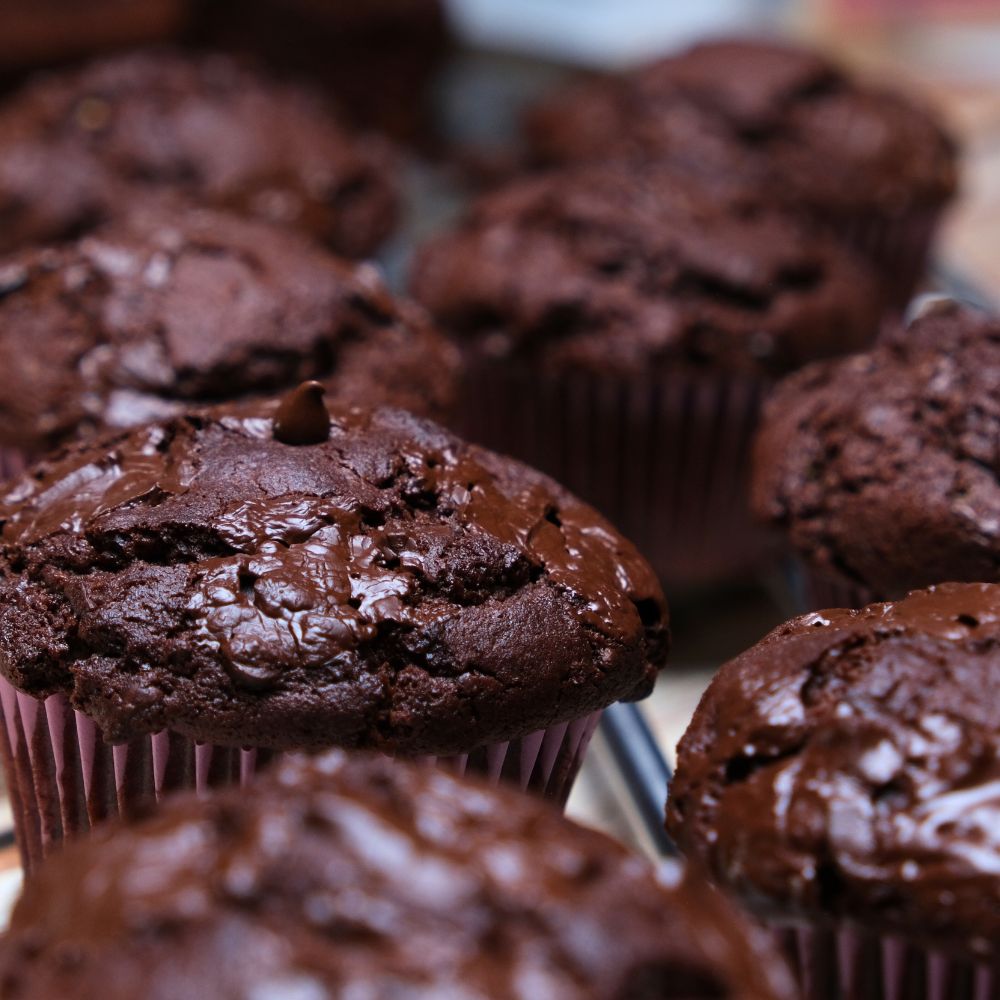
(378, 60)
(842, 779)
(173, 306)
(620, 325)
(866, 163)
(881, 468)
(355, 876)
(81, 146)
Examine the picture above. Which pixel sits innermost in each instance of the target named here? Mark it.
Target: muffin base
(848, 964)
(898, 245)
(63, 777)
(664, 457)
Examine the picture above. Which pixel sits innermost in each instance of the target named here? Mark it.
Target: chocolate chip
(302, 417)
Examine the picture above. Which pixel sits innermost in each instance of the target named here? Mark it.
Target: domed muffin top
(781, 117)
(618, 267)
(388, 586)
(357, 876)
(179, 305)
(848, 767)
(85, 145)
(883, 468)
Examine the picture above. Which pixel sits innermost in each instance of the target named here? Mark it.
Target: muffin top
(619, 267)
(176, 306)
(781, 117)
(85, 145)
(356, 876)
(288, 577)
(883, 467)
(848, 767)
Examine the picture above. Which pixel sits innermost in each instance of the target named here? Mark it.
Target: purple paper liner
(898, 245)
(814, 591)
(850, 964)
(664, 457)
(63, 777)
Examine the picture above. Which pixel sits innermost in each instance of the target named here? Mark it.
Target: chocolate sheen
(369, 878)
(179, 306)
(781, 118)
(625, 268)
(302, 416)
(847, 768)
(883, 468)
(85, 145)
(391, 587)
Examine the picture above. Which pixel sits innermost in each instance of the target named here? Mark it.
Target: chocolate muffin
(282, 577)
(379, 60)
(34, 32)
(843, 775)
(85, 145)
(621, 323)
(178, 306)
(353, 876)
(865, 161)
(882, 468)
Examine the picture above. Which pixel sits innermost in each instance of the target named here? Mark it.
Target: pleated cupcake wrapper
(63, 777)
(899, 245)
(814, 591)
(848, 964)
(664, 457)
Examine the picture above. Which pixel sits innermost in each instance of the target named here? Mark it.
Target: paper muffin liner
(849, 964)
(814, 591)
(664, 457)
(63, 777)
(899, 245)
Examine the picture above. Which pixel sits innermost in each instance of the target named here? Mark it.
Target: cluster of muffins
(290, 623)
(231, 528)
(688, 234)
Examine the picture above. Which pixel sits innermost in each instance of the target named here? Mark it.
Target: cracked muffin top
(619, 267)
(357, 876)
(882, 468)
(781, 118)
(847, 767)
(82, 146)
(285, 576)
(177, 306)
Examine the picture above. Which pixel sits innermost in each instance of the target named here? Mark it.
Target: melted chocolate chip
(302, 417)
